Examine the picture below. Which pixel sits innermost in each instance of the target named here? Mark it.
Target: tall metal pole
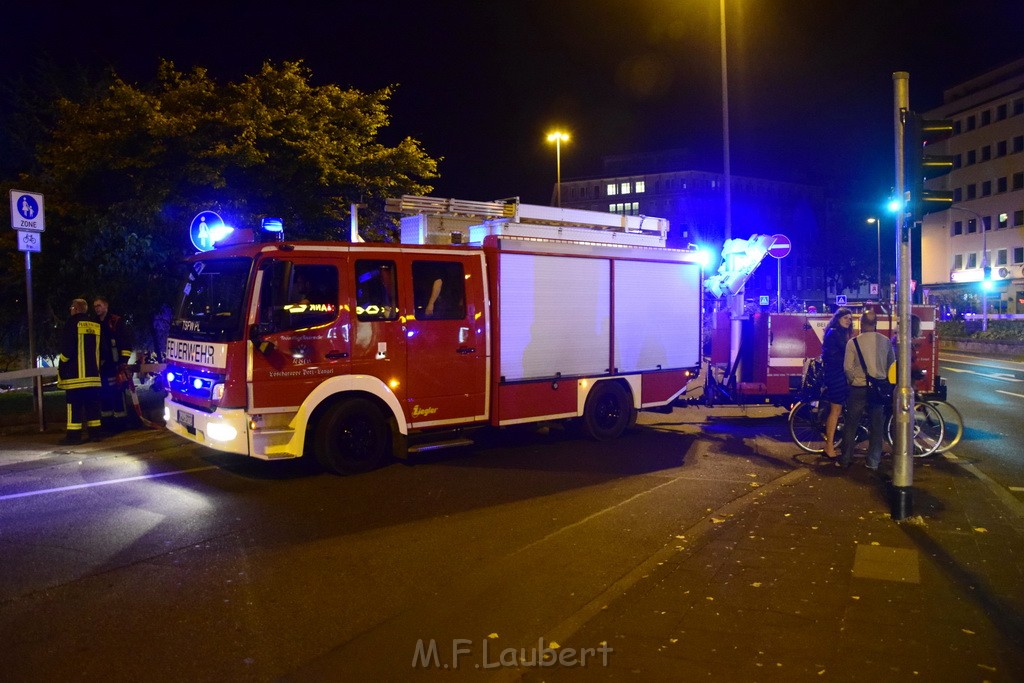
(878, 224)
(778, 276)
(984, 270)
(903, 397)
(736, 301)
(558, 171)
(37, 381)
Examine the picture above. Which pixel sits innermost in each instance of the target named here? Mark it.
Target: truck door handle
(466, 349)
(335, 355)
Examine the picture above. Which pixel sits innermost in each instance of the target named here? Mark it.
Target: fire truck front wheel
(352, 437)
(608, 411)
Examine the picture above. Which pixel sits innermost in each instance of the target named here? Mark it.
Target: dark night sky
(481, 82)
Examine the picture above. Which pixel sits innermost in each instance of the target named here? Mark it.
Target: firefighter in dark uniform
(114, 369)
(81, 352)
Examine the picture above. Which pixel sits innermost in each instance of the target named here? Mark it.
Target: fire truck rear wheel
(352, 437)
(608, 411)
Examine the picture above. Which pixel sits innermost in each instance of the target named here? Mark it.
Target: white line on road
(998, 364)
(1002, 376)
(1009, 393)
(60, 489)
(1016, 488)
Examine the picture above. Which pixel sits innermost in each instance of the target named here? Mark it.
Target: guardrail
(143, 368)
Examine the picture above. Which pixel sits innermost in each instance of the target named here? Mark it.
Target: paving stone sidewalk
(813, 580)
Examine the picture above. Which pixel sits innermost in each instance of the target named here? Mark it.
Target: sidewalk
(811, 579)
(26, 420)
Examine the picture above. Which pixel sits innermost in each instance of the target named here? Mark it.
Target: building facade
(985, 225)
(693, 201)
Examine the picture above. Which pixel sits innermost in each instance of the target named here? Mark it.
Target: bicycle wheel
(807, 426)
(953, 423)
(928, 428)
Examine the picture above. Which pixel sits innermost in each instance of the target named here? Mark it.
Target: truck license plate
(186, 419)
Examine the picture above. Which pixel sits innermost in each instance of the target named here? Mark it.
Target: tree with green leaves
(124, 172)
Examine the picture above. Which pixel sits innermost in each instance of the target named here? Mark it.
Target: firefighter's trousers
(83, 409)
(113, 410)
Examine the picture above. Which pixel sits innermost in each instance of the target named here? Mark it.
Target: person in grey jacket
(878, 356)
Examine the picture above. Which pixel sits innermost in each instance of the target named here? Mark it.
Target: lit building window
(611, 208)
(612, 189)
(640, 186)
(1004, 220)
(624, 188)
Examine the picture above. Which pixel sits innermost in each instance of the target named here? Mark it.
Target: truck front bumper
(225, 429)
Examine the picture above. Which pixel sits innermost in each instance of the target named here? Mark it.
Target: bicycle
(807, 420)
(953, 421)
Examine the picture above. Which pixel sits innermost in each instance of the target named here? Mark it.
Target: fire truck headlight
(170, 377)
(167, 415)
(218, 431)
(218, 392)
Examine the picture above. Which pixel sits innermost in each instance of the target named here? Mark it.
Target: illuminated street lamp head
(558, 136)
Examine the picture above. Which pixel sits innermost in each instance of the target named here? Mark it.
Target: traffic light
(918, 134)
(986, 282)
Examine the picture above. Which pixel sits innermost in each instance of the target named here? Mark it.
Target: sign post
(780, 248)
(29, 219)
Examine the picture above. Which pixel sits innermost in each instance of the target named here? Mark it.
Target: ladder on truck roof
(510, 218)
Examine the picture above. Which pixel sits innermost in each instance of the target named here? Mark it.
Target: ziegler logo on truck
(198, 353)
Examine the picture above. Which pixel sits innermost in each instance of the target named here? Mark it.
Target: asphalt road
(990, 395)
(150, 558)
(146, 557)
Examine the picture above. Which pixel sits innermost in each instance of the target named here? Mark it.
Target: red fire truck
(775, 349)
(355, 352)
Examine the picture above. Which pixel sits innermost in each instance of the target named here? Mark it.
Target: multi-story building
(655, 184)
(985, 225)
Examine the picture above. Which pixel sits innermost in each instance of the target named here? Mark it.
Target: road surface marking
(1016, 488)
(1009, 393)
(61, 489)
(1000, 376)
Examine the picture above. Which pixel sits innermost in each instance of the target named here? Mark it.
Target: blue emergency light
(274, 227)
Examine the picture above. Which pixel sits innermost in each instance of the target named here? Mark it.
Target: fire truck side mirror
(257, 334)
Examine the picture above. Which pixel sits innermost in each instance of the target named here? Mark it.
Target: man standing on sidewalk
(81, 353)
(878, 355)
(115, 366)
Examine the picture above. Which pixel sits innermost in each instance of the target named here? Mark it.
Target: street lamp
(558, 137)
(878, 224)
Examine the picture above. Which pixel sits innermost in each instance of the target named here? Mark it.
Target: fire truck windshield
(212, 299)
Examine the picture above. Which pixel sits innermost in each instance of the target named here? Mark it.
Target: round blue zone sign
(203, 229)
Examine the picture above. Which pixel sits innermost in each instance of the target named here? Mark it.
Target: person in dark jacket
(114, 369)
(833, 352)
(78, 373)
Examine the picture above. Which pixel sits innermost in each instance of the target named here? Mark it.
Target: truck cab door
(301, 335)
(446, 338)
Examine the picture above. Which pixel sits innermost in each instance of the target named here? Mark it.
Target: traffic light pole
(903, 396)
